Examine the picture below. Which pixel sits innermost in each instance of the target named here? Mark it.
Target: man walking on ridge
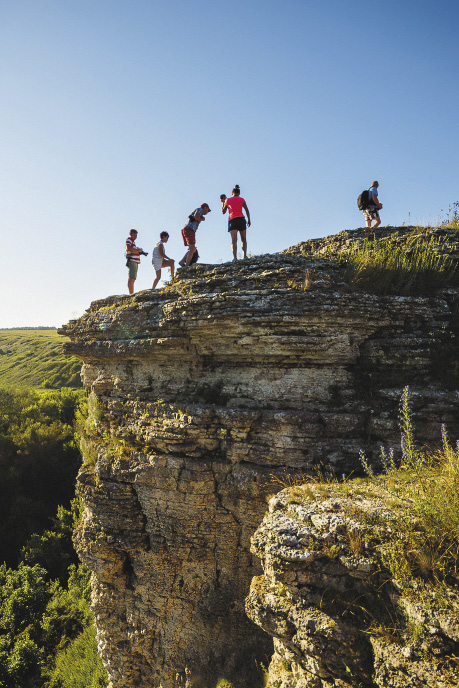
(371, 211)
(133, 254)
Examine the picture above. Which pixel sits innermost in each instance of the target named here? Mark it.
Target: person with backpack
(189, 233)
(237, 222)
(160, 260)
(370, 205)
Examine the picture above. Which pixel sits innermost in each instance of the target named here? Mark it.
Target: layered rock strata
(332, 610)
(201, 396)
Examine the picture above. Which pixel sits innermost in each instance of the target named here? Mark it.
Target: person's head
(164, 236)
(375, 184)
(236, 191)
(205, 208)
(133, 233)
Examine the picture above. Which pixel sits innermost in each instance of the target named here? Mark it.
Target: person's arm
(162, 252)
(374, 200)
(224, 207)
(198, 217)
(244, 205)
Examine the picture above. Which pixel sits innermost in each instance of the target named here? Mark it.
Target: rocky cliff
(336, 616)
(202, 397)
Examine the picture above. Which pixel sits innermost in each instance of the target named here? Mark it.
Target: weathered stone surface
(199, 395)
(319, 596)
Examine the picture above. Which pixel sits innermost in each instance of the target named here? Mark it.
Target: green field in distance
(34, 358)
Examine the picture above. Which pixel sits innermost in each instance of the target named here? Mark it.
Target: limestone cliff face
(200, 395)
(323, 587)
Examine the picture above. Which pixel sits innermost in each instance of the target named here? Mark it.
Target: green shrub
(45, 603)
(53, 549)
(79, 665)
(46, 631)
(24, 595)
(39, 461)
(423, 541)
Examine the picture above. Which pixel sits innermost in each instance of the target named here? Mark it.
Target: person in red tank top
(237, 222)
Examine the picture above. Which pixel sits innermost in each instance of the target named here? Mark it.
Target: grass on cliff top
(411, 267)
(417, 537)
(422, 548)
(34, 358)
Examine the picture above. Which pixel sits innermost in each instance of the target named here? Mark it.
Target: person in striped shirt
(133, 254)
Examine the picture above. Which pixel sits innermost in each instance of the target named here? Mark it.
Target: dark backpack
(363, 200)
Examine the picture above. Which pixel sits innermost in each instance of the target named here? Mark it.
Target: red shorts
(188, 236)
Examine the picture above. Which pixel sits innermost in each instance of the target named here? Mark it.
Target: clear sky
(131, 113)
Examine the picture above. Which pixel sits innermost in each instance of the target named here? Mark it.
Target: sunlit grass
(423, 544)
(412, 267)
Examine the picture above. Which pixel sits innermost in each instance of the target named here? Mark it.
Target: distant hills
(32, 357)
(40, 327)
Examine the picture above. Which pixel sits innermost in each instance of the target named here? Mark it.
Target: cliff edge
(202, 396)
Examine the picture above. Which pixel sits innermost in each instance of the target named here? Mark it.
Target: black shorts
(237, 223)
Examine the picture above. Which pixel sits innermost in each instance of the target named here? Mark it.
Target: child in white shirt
(160, 260)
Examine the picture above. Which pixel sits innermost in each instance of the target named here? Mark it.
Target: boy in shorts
(189, 232)
(160, 260)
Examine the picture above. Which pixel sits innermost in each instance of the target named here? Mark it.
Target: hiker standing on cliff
(189, 232)
(133, 254)
(371, 211)
(237, 222)
(160, 260)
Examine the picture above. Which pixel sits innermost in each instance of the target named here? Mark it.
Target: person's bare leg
(158, 277)
(190, 254)
(377, 223)
(170, 264)
(183, 261)
(244, 242)
(233, 233)
(131, 281)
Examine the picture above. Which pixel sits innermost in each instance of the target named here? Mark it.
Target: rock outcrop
(331, 607)
(203, 395)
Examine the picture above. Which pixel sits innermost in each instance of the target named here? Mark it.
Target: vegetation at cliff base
(33, 357)
(39, 460)
(79, 665)
(46, 626)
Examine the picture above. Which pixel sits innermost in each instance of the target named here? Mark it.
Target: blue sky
(119, 114)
